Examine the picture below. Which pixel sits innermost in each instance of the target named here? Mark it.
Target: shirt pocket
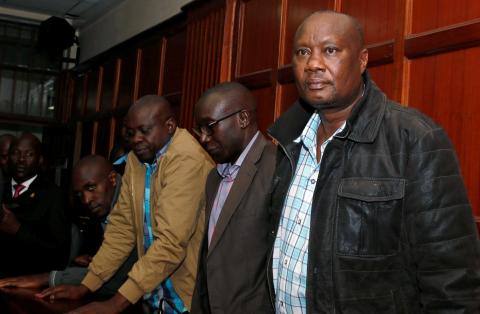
(369, 216)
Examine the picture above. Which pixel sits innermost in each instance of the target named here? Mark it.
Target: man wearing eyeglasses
(231, 277)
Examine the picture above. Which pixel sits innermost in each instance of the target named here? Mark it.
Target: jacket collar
(362, 125)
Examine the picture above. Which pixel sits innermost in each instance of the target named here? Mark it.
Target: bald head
(93, 182)
(225, 116)
(149, 125)
(92, 165)
(235, 95)
(348, 23)
(153, 104)
(5, 143)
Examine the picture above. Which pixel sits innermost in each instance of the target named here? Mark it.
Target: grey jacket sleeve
(75, 275)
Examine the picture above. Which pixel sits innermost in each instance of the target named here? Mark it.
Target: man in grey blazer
(232, 262)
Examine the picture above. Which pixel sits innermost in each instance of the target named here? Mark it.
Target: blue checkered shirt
(165, 289)
(290, 253)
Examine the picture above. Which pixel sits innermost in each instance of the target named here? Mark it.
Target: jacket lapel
(240, 186)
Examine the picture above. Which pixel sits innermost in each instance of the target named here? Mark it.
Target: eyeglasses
(207, 129)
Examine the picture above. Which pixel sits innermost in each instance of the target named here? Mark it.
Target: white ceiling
(81, 12)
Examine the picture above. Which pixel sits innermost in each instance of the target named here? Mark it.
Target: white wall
(128, 19)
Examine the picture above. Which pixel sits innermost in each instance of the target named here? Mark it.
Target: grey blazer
(231, 277)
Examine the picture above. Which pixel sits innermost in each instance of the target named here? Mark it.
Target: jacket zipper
(269, 264)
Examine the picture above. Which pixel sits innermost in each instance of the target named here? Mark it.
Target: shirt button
(281, 303)
(285, 262)
(299, 221)
(313, 181)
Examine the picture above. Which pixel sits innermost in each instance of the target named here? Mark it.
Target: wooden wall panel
(87, 138)
(102, 142)
(296, 11)
(202, 62)
(108, 85)
(175, 47)
(127, 78)
(265, 107)
(288, 94)
(92, 88)
(78, 96)
(446, 88)
(383, 75)
(257, 36)
(431, 14)
(376, 16)
(150, 68)
(173, 69)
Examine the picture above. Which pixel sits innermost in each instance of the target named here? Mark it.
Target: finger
(6, 283)
(45, 293)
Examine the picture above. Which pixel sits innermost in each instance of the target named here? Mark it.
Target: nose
(315, 62)
(85, 199)
(136, 138)
(203, 138)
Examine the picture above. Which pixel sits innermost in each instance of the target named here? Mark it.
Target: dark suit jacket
(43, 241)
(231, 277)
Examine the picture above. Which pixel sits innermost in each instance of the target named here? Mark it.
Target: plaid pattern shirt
(165, 289)
(290, 253)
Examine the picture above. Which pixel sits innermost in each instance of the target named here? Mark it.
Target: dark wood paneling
(258, 36)
(175, 47)
(92, 87)
(430, 14)
(446, 88)
(150, 69)
(87, 138)
(289, 95)
(256, 79)
(265, 107)
(296, 11)
(376, 16)
(203, 59)
(383, 75)
(102, 143)
(108, 84)
(380, 53)
(79, 94)
(454, 37)
(127, 78)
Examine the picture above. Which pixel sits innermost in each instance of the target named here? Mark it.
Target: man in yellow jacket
(160, 210)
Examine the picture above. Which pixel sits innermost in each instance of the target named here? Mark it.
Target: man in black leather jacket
(370, 210)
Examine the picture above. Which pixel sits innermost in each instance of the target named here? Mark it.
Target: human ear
(112, 178)
(363, 59)
(171, 125)
(244, 119)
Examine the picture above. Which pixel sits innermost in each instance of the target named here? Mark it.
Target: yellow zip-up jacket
(177, 215)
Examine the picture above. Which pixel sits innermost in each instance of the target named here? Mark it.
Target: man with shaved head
(96, 185)
(160, 211)
(370, 210)
(34, 229)
(234, 252)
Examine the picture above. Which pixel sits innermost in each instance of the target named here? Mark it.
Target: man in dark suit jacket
(34, 229)
(231, 277)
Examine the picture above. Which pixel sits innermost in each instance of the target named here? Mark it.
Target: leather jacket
(391, 230)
